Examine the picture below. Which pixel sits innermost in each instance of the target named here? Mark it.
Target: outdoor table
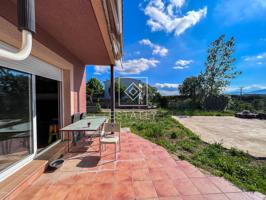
(8, 133)
(96, 124)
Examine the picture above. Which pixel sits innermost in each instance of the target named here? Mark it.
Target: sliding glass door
(16, 133)
(47, 111)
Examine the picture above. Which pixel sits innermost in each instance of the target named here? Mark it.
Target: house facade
(38, 95)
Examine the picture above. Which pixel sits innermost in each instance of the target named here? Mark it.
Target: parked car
(246, 114)
(261, 115)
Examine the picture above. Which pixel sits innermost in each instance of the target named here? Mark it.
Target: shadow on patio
(143, 171)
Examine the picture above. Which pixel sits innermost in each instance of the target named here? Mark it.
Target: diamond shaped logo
(133, 91)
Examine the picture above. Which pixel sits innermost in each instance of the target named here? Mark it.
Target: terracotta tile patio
(143, 171)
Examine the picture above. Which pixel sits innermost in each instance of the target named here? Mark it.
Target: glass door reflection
(15, 116)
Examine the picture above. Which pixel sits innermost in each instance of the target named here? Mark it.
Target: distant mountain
(263, 91)
(237, 92)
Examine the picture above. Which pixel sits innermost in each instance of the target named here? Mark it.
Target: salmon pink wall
(80, 88)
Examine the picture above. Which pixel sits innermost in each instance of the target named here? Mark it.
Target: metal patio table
(96, 124)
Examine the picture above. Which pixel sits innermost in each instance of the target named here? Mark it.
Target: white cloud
(156, 49)
(168, 92)
(256, 58)
(180, 67)
(178, 3)
(133, 66)
(98, 70)
(182, 64)
(136, 66)
(167, 18)
(234, 11)
(167, 85)
(167, 89)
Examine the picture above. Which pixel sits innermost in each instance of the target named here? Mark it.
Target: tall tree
(94, 89)
(219, 66)
(190, 87)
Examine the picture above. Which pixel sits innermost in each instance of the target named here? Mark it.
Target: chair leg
(100, 149)
(50, 139)
(115, 151)
(99, 144)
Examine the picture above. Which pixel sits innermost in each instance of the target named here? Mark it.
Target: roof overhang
(89, 30)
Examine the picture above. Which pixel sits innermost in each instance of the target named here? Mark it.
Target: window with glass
(16, 135)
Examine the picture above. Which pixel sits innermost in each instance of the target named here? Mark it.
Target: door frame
(60, 114)
(34, 66)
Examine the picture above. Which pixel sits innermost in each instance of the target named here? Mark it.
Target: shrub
(183, 104)
(218, 103)
(239, 105)
(98, 108)
(173, 135)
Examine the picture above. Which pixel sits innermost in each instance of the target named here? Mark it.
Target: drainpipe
(26, 24)
(112, 91)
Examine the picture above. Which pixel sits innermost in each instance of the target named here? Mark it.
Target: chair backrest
(83, 115)
(76, 117)
(112, 127)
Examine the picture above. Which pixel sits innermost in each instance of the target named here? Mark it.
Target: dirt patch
(248, 135)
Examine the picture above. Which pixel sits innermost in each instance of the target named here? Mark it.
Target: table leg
(68, 140)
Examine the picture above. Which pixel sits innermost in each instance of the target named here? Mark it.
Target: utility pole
(241, 92)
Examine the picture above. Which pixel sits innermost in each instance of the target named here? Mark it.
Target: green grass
(236, 166)
(198, 112)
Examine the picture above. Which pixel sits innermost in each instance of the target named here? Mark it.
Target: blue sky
(167, 40)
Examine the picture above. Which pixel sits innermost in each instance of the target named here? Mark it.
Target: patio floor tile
(138, 164)
(123, 175)
(223, 185)
(255, 195)
(154, 163)
(185, 187)
(175, 173)
(158, 173)
(101, 191)
(55, 192)
(238, 196)
(191, 171)
(78, 192)
(193, 197)
(143, 171)
(83, 178)
(144, 189)
(216, 197)
(104, 177)
(123, 165)
(205, 186)
(170, 198)
(165, 188)
(141, 175)
(123, 191)
(107, 165)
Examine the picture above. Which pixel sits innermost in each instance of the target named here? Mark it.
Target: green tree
(219, 69)
(119, 89)
(94, 89)
(190, 87)
(153, 95)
